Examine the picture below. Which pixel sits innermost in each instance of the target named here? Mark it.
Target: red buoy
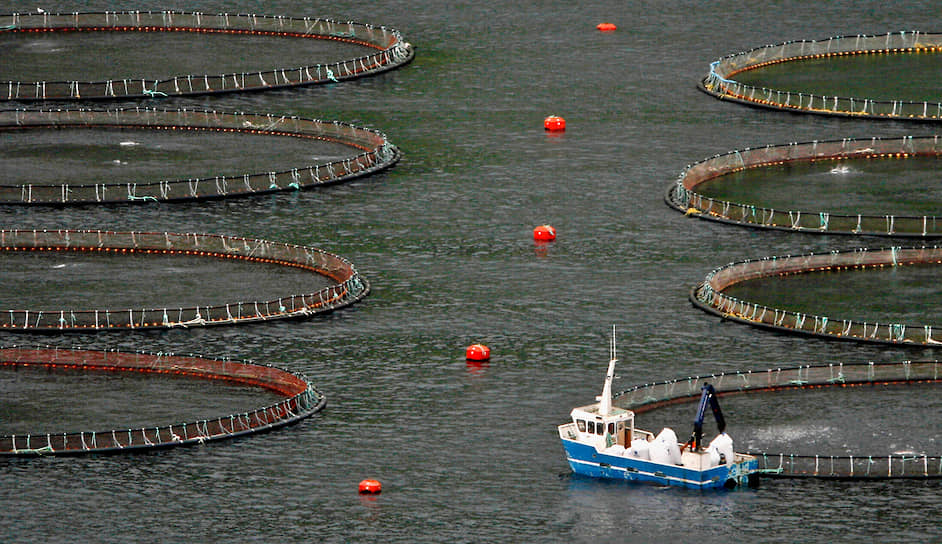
(478, 352)
(544, 233)
(606, 27)
(554, 123)
(370, 487)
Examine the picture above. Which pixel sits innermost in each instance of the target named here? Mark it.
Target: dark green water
(470, 453)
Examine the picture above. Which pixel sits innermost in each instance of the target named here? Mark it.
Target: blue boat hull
(585, 460)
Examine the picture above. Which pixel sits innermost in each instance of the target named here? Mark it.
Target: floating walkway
(301, 401)
(370, 152)
(347, 285)
(719, 81)
(391, 51)
(647, 397)
(682, 195)
(709, 296)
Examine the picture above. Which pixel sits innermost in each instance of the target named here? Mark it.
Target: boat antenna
(613, 342)
(605, 400)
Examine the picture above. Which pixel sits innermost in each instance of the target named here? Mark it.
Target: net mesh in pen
(840, 155)
(721, 82)
(130, 168)
(301, 400)
(709, 295)
(182, 62)
(344, 287)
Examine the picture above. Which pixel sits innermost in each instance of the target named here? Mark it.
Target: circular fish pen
(366, 151)
(709, 296)
(346, 285)
(301, 400)
(384, 49)
(720, 81)
(651, 396)
(683, 196)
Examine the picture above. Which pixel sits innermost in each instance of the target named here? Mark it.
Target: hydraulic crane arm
(707, 396)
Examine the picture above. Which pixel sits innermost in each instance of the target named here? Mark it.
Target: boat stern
(744, 471)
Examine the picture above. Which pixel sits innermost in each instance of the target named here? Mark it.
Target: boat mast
(605, 401)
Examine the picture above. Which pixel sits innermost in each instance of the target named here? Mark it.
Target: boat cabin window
(580, 423)
(611, 428)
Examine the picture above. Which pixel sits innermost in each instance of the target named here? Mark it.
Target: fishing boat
(601, 441)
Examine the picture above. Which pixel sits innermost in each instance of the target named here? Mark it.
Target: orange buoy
(478, 352)
(370, 487)
(606, 27)
(544, 233)
(554, 123)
